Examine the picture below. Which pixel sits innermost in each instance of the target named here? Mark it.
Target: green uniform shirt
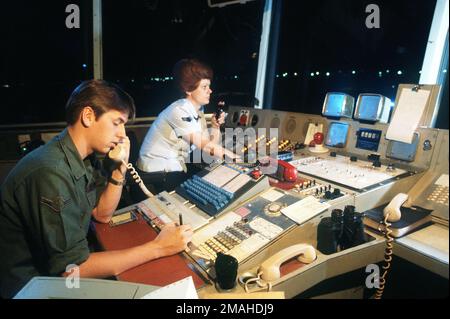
(45, 210)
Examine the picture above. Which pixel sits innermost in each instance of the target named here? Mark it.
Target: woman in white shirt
(179, 128)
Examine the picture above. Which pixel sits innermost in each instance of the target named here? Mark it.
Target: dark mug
(226, 267)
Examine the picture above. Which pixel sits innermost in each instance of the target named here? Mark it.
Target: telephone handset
(118, 155)
(392, 210)
(270, 269)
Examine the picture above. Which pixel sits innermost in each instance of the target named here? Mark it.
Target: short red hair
(189, 72)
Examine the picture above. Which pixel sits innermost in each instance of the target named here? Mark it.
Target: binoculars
(343, 230)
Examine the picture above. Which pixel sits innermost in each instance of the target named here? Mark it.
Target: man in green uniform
(49, 197)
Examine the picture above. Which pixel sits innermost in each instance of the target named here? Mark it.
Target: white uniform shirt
(163, 148)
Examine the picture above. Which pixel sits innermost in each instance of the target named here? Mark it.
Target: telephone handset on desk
(269, 270)
(118, 155)
(392, 210)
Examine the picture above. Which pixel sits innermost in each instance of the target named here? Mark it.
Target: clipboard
(429, 115)
(415, 106)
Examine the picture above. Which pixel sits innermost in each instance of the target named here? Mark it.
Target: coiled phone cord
(259, 282)
(137, 179)
(387, 256)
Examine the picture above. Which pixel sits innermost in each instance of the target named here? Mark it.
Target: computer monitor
(337, 105)
(373, 108)
(337, 135)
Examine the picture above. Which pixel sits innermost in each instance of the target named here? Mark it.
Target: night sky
(41, 60)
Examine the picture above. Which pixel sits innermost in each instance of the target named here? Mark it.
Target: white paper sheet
(182, 289)
(304, 209)
(408, 112)
(220, 176)
(271, 195)
(235, 184)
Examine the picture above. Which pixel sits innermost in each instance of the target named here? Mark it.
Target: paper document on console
(182, 289)
(304, 209)
(407, 115)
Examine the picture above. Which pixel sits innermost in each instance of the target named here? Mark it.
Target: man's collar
(73, 157)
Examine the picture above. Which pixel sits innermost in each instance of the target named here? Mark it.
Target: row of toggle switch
(224, 241)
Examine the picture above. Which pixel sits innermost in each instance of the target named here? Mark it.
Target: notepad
(182, 289)
(304, 209)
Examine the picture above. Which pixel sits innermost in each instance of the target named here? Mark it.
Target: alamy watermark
(73, 279)
(373, 279)
(373, 19)
(249, 145)
(73, 19)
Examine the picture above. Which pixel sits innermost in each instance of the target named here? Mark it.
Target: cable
(387, 256)
(137, 179)
(261, 283)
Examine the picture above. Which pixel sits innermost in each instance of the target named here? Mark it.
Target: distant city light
(399, 72)
(327, 74)
(353, 72)
(312, 73)
(285, 74)
(6, 86)
(380, 74)
(295, 73)
(84, 65)
(317, 73)
(387, 71)
(236, 77)
(132, 80)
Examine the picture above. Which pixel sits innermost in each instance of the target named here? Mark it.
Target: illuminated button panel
(439, 195)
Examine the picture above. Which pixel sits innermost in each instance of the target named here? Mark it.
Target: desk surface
(159, 272)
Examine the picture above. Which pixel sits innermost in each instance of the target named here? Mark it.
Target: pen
(181, 218)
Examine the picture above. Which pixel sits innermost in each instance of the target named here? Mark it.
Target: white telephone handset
(118, 154)
(392, 210)
(270, 269)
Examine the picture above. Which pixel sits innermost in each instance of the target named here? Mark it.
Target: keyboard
(207, 194)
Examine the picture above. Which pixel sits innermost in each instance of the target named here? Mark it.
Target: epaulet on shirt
(189, 118)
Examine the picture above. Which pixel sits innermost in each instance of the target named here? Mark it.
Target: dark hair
(102, 96)
(188, 73)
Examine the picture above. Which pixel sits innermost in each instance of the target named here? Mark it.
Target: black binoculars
(344, 229)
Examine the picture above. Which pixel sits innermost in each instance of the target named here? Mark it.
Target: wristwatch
(116, 182)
